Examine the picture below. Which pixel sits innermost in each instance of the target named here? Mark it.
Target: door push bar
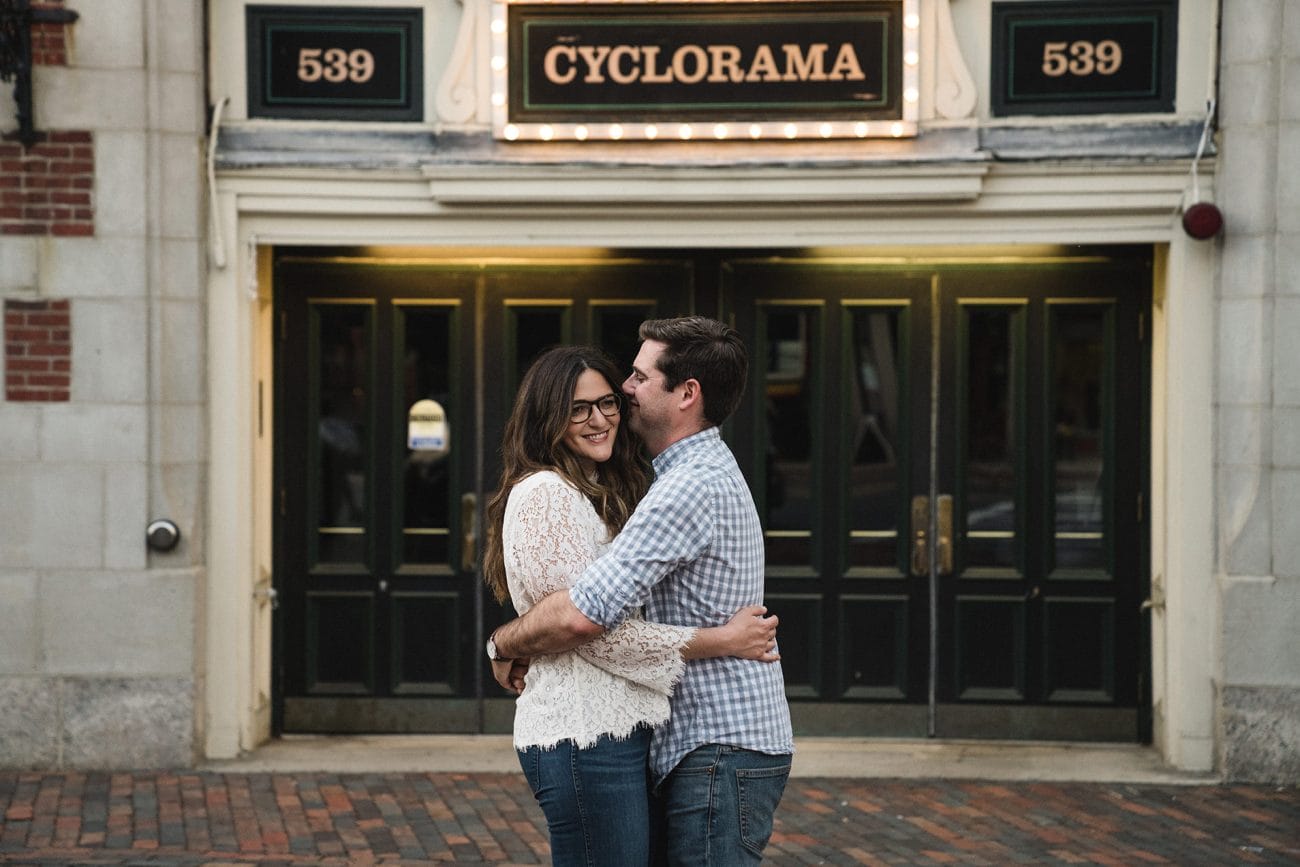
(921, 538)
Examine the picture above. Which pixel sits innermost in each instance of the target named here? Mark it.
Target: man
(692, 554)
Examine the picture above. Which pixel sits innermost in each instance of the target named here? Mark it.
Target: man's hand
(510, 673)
(552, 625)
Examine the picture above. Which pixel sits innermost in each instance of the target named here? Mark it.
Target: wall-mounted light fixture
(16, 20)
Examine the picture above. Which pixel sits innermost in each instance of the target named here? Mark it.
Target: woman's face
(592, 438)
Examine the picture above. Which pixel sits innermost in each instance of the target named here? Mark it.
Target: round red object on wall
(1202, 221)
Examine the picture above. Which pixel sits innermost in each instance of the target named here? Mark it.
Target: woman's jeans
(595, 800)
(718, 805)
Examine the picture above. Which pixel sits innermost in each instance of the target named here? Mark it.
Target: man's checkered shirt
(692, 554)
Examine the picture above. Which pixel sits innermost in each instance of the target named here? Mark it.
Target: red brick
(26, 365)
(70, 198)
(54, 349)
(72, 230)
(26, 335)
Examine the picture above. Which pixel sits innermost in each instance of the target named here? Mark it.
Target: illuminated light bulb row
(687, 132)
(720, 131)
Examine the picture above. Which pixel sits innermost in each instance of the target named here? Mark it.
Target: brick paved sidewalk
(318, 818)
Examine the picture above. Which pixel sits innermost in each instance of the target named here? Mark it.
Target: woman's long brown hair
(534, 441)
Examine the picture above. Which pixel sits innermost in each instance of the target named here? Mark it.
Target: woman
(570, 480)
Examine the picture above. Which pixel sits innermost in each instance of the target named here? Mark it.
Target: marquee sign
(1084, 58)
(636, 69)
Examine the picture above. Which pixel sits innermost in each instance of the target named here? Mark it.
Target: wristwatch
(492, 649)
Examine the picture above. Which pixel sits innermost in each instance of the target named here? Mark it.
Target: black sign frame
(834, 41)
(1062, 57)
(363, 64)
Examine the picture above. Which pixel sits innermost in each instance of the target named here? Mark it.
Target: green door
(949, 459)
(393, 380)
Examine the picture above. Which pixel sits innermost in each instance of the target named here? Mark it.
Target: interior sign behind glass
(625, 69)
(1084, 58)
(335, 63)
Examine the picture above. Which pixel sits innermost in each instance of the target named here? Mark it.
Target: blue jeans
(596, 800)
(718, 804)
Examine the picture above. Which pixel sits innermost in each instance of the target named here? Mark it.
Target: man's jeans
(596, 800)
(717, 805)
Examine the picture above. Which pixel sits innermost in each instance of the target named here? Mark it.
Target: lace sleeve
(646, 653)
(549, 541)
(553, 535)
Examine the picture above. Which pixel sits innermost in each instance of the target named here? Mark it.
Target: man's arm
(552, 625)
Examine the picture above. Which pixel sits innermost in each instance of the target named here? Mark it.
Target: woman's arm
(654, 654)
(747, 635)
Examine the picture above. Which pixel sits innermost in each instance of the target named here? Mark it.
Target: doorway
(394, 377)
(949, 457)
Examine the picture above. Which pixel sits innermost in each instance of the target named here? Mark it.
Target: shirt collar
(678, 451)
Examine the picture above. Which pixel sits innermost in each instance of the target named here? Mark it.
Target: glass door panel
(791, 432)
(992, 473)
(342, 341)
(428, 435)
(1082, 398)
(875, 382)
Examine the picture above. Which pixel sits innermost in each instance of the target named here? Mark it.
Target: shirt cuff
(590, 605)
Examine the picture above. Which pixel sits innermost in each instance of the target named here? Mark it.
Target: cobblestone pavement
(205, 818)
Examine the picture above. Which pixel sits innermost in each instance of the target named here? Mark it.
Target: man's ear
(691, 394)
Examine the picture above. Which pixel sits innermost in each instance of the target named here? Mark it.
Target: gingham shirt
(692, 554)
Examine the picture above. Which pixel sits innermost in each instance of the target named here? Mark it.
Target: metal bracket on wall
(16, 20)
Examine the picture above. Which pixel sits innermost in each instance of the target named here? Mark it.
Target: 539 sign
(334, 63)
(1084, 57)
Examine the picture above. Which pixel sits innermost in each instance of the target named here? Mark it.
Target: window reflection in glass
(787, 382)
(343, 405)
(426, 375)
(874, 416)
(990, 467)
(536, 330)
(1078, 398)
(615, 328)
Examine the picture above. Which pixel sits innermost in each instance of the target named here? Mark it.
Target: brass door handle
(943, 547)
(468, 531)
(920, 538)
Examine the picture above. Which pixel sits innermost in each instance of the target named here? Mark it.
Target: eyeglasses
(609, 405)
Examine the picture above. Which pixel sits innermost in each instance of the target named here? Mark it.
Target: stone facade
(97, 635)
(102, 643)
(1258, 403)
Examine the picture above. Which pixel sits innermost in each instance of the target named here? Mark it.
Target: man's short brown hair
(706, 350)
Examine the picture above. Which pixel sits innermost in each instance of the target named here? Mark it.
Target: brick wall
(38, 350)
(48, 189)
(49, 40)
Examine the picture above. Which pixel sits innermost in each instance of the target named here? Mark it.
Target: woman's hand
(750, 635)
(747, 635)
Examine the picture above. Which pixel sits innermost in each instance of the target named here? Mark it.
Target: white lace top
(611, 685)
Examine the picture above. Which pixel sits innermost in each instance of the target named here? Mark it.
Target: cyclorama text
(628, 64)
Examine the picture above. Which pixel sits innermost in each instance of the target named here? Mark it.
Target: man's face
(650, 407)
